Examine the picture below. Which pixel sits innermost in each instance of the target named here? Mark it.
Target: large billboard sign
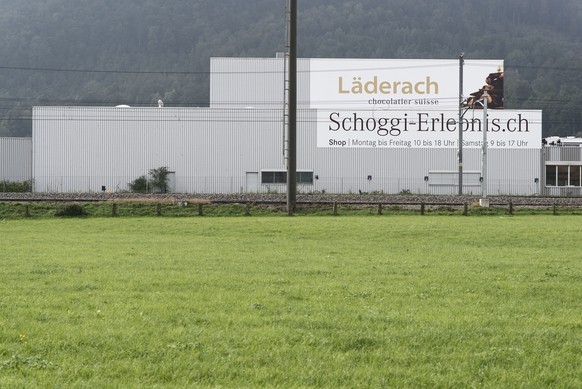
(414, 103)
(427, 129)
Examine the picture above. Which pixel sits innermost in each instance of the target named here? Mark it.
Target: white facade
(562, 167)
(238, 144)
(80, 149)
(15, 159)
(83, 149)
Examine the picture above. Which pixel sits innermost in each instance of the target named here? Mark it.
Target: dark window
(563, 175)
(305, 177)
(267, 177)
(550, 175)
(280, 177)
(574, 175)
(274, 177)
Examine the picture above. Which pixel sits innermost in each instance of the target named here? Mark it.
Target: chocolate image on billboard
(494, 87)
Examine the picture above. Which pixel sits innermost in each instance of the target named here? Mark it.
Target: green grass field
(349, 301)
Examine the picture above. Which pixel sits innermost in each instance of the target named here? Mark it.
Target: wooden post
(334, 208)
(465, 209)
(379, 208)
(114, 209)
(26, 210)
(422, 208)
(510, 207)
(200, 210)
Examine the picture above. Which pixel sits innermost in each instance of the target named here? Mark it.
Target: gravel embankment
(281, 198)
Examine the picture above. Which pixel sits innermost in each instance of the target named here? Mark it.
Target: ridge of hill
(81, 52)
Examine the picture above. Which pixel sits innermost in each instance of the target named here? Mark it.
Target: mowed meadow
(348, 301)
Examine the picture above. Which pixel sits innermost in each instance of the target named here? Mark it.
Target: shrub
(15, 186)
(71, 210)
(159, 179)
(139, 185)
(157, 182)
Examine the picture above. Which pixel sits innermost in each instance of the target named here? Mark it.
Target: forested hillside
(109, 52)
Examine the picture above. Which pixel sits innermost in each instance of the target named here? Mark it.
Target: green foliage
(139, 185)
(15, 186)
(159, 179)
(281, 302)
(539, 39)
(71, 210)
(157, 182)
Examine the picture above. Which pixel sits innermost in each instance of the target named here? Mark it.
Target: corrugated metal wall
(79, 149)
(393, 170)
(15, 159)
(254, 82)
(224, 148)
(511, 171)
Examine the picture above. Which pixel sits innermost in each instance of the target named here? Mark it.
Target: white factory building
(375, 126)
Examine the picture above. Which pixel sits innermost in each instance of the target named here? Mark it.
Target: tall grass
(393, 301)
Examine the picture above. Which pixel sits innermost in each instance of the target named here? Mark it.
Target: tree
(139, 185)
(159, 179)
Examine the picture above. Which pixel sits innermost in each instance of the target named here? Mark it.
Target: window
(551, 175)
(305, 177)
(274, 177)
(563, 174)
(280, 177)
(575, 175)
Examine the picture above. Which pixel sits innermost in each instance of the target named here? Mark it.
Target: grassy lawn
(349, 301)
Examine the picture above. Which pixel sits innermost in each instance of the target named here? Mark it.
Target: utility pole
(292, 136)
(460, 126)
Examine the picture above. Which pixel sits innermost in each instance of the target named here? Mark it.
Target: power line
(207, 72)
(101, 71)
(544, 67)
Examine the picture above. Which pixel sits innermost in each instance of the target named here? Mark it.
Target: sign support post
(484, 201)
(460, 125)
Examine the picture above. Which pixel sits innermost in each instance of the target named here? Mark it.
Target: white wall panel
(214, 150)
(83, 149)
(15, 159)
(403, 170)
(254, 82)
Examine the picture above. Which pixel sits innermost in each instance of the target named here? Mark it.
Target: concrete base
(484, 203)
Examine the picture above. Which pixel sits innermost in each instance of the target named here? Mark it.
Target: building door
(171, 182)
(252, 182)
